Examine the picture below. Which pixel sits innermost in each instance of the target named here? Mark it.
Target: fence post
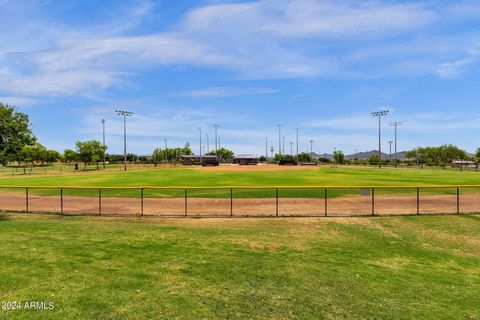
(276, 202)
(26, 199)
(418, 200)
(186, 202)
(99, 201)
(458, 200)
(373, 201)
(326, 202)
(231, 202)
(141, 201)
(61, 200)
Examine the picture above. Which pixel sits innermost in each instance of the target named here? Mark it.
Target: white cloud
(226, 92)
(258, 39)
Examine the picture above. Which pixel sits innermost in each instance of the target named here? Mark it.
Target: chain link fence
(243, 201)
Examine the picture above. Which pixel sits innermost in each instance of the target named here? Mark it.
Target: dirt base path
(353, 205)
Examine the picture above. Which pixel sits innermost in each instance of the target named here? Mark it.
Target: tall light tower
(280, 138)
(390, 153)
(395, 124)
(283, 145)
(266, 148)
(200, 135)
(103, 140)
(297, 144)
(166, 150)
(379, 114)
(216, 146)
(125, 114)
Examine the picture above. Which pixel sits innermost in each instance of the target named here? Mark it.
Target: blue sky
(322, 66)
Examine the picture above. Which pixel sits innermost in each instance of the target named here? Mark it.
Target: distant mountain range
(360, 155)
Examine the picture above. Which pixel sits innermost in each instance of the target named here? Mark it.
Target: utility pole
(379, 114)
(125, 114)
(396, 124)
(280, 138)
(104, 150)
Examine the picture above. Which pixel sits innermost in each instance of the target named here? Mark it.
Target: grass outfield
(342, 268)
(194, 177)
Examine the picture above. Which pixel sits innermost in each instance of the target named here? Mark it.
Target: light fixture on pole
(125, 114)
(103, 140)
(380, 114)
(396, 124)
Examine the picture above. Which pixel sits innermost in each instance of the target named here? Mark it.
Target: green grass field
(190, 177)
(342, 268)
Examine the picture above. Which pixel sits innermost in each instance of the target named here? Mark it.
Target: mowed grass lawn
(192, 177)
(338, 268)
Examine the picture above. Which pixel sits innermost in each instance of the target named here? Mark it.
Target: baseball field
(105, 267)
(246, 190)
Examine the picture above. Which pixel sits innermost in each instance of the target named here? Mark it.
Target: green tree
(90, 151)
(70, 156)
(304, 157)
(338, 156)
(15, 133)
(53, 156)
(224, 155)
(477, 155)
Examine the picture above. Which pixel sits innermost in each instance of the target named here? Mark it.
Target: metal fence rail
(243, 200)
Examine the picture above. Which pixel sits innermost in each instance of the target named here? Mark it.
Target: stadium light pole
(297, 144)
(390, 153)
(103, 140)
(283, 145)
(395, 124)
(266, 148)
(166, 150)
(216, 147)
(280, 138)
(379, 114)
(200, 130)
(125, 114)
